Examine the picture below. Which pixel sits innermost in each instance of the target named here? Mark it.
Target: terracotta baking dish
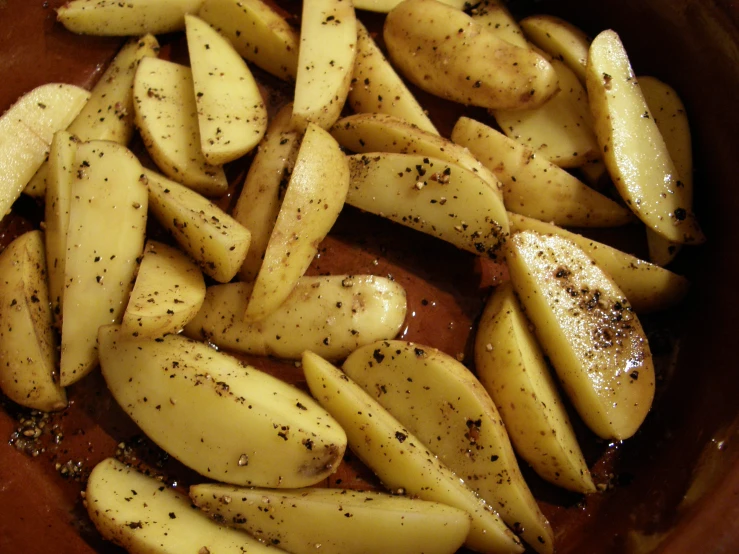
(674, 487)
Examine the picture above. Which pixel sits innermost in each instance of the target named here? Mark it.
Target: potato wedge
(561, 129)
(494, 16)
(215, 240)
(633, 148)
(364, 133)
(107, 221)
(28, 346)
(648, 287)
(560, 39)
(258, 32)
(108, 114)
(298, 520)
(330, 315)
(62, 168)
(587, 328)
(167, 118)
(669, 114)
(398, 458)
(328, 45)
(132, 17)
(223, 419)
(141, 514)
(511, 367)
(445, 52)
(232, 116)
(26, 131)
(384, 6)
(314, 197)
(377, 88)
(168, 292)
(260, 198)
(441, 403)
(431, 196)
(535, 187)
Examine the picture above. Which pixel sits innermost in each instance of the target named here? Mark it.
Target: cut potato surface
(511, 367)
(167, 118)
(444, 51)
(132, 17)
(633, 148)
(560, 39)
(224, 419)
(232, 117)
(144, 515)
(168, 292)
(105, 239)
(439, 400)
(431, 196)
(258, 32)
(340, 521)
(587, 328)
(26, 131)
(330, 315)
(315, 195)
(215, 240)
(648, 287)
(28, 345)
(399, 459)
(535, 187)
(494, 16)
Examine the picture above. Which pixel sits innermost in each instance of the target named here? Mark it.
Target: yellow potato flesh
(298, 520)
(494, 16)
(560, 39)
(587, 329)
(439, 400)
(330, 315)
(398, 458)
(633, 148)
(511, 367)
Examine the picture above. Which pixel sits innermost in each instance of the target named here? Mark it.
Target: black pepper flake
(400, 436)
(378, 356)
(680, 214)
(172, 515)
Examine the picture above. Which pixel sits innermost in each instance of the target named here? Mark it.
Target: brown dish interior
(687, 443)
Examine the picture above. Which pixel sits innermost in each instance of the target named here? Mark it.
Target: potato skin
(447, 53)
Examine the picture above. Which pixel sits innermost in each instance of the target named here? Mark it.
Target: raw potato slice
(588, 330)
(441, 403)
(559, 39)
(107, 221)
(328, 45)
(633, 148)
(266, 182)
(215, 240)
(314, 197)
(167, 118)
(447, 53)
(108, 114)
(232, 117)
(377, 88)
(62, 168)
(168, 292)
(364, 133)
(431, 196)
(132, 17)
(340, 521)
(399, 459)
(331, 316)
(26, 131)
(511, 367)
(384, 6)
(28, 346)
(224, 419)
(143, 515)
(258, 32)
(535, 187)
(648, 287)
(494, 16)
(561, 130)
(669, 114)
